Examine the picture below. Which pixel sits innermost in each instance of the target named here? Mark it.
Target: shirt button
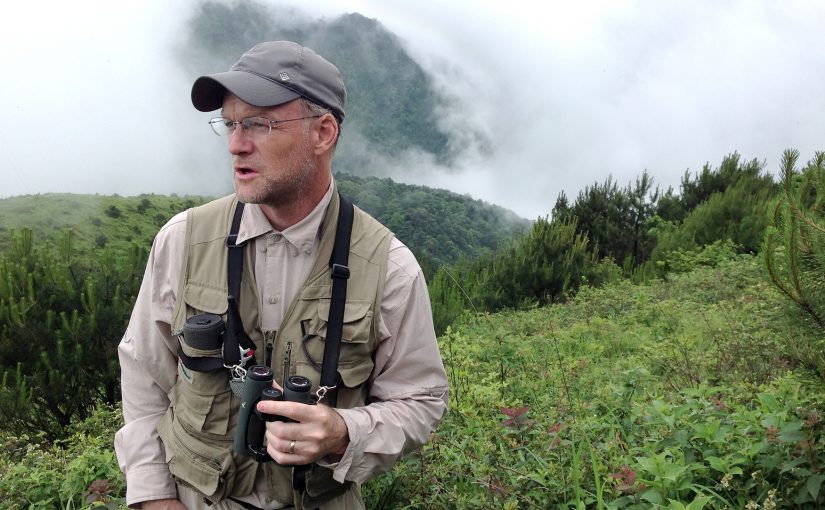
(273, 299)
(276, 238)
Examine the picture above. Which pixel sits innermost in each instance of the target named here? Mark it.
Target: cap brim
(208, 91)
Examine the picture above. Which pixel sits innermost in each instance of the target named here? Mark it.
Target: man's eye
(229, 124)
(258, 124)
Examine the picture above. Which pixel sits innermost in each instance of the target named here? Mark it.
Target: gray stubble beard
(275, 192)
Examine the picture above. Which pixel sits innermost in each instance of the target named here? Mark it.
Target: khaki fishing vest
(198, 429)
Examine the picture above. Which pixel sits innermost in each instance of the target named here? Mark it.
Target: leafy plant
(78, 472)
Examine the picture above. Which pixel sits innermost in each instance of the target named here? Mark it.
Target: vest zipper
(270, 346)
(287, 358)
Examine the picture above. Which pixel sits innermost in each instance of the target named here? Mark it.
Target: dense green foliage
(689, 391)
(615, 220)
(684, 392)
(538, 268)
(635, 223)
(730, 202)
(61, 318)
(699, 188)
(77, 472)
(795, 241)
(391, 102)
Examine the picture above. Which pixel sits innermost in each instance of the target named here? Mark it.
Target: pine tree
(794, 247)
(539, 267)
(61, 319)
(616, 219)
(447, 299)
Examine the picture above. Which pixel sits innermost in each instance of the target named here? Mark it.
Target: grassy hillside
(97, 220)
(695, 392)
(436, 224)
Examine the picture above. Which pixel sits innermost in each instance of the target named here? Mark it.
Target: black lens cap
(298, 383)
(259, 373)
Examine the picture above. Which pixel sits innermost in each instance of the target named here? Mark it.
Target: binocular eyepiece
(251, 426)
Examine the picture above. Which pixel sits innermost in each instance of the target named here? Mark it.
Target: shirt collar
(302, 235)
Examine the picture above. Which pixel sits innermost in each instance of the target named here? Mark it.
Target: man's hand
(162, 504)
(319, 432)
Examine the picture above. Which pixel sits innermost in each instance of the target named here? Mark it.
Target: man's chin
(247, 194)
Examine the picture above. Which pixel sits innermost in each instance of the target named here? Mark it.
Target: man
(282, 106)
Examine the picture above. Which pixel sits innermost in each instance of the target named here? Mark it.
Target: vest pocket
(195, 435)
(206, 299)
(207, 466)
(357, 320)
(207, 414)
(356, 332)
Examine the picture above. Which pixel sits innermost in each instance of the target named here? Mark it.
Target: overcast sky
(567, 92)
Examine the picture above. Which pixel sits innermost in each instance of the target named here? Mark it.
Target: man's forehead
(232, 104)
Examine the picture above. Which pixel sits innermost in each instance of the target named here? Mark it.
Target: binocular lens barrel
(296, 389)
(258, 378)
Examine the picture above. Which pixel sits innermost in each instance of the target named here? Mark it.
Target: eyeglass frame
(225, 122)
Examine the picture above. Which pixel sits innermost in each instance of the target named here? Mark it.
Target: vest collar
(302, 235)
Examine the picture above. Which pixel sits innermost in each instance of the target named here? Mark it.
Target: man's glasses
(257, 126)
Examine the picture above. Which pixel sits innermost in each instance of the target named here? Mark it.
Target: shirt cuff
(149, 482)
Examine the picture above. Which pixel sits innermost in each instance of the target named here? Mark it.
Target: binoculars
(251, 426)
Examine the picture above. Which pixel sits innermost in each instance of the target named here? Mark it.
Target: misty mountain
(438, 225)
(392, 105)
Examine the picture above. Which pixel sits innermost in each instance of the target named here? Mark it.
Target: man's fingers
(292, 410)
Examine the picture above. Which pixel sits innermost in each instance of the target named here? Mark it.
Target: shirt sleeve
(408, 386)
(148, 360)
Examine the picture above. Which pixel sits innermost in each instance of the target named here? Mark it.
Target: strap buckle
(232, 241)
(340, 271)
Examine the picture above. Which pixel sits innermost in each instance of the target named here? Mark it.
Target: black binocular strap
(235, 336)
(340, 274)
(335, 322)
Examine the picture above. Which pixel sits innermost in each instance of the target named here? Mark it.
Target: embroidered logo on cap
(283, 76)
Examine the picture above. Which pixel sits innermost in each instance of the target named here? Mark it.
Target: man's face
(270, 169)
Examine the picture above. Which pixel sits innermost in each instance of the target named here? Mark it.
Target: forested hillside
(438, 225)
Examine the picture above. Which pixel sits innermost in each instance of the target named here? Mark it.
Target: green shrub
(73, 473)
(539, 267)
(61, 318)
(738, 214)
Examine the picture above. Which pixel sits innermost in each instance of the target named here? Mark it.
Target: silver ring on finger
(291, 447)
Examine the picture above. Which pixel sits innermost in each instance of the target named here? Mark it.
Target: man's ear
(327, 134)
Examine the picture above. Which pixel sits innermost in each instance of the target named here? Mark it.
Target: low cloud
(537, 98)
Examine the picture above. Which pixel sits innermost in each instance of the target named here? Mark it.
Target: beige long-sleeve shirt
(407, 389)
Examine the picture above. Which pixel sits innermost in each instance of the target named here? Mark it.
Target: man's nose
(239, 141)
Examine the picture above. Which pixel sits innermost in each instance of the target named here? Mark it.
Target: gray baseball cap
(273, 73)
